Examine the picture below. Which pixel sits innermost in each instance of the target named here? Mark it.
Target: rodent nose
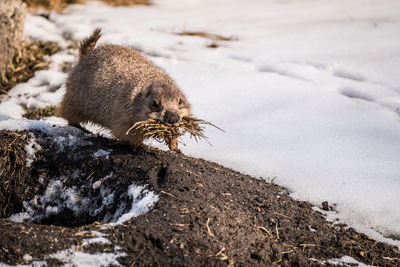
(171, 117)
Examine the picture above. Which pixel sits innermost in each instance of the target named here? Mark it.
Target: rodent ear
(149, 90)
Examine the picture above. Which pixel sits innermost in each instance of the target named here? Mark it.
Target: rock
(325, 206)
(12, 18)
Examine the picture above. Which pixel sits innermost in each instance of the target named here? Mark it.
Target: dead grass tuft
(212, 36)
(59, 5)
(166, 133)
(28, 59)
(37, 114)
(13, 172)
(127, 2)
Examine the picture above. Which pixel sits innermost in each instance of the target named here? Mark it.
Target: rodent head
(166, 103)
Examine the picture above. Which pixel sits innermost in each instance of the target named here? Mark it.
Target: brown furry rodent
(115, 86)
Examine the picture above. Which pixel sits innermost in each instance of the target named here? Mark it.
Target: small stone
(326, 207)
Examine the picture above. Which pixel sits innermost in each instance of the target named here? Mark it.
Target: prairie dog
(115, 86)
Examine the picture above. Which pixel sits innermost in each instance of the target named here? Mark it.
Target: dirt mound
(206, 215)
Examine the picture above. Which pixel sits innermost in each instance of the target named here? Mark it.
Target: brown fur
(115, 86)
(89, 43)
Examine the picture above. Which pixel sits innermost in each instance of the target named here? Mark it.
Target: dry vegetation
(14, 185)
(28, 59)
(59, 5)
(127, 2)
(166, 133)
(37, 114)
(212, 36)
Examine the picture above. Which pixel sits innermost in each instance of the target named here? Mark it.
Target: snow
(31, 148)
(73, 257)
(142, 201)
(59, 199)
(343, 261)
(101, 153)
(101, 240)
(309, 92)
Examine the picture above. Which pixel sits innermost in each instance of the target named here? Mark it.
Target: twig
(135, 260)
(220, 252)
(278, 261)
(308, 245)
(277, 231)
(391, 259)
(90, 175)
(287, 252)
(265, 230)
(280, 214)
(208, 228)
(168, 194)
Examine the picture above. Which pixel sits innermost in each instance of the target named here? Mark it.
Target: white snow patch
(142, 201)
(100, 240)
(31, 148)
(41, 28)
(96, 184)
(343, 261)
(101, 153)
(27, 258)
(31, 264)
(19, 217)
(72, 257)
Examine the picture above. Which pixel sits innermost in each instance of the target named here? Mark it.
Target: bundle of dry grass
(59, 5)
(166, 133)
(29, 58)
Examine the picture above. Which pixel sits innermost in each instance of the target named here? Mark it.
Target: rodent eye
(156, 106)
(180, 101)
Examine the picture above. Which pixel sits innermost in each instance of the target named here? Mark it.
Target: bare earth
(207, 215)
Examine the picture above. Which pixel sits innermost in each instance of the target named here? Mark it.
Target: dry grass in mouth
(28, 59)
(165, 133)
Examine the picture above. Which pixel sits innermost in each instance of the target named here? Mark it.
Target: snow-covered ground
(309, 92)
(74, 257)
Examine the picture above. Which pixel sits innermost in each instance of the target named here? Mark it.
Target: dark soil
(206, 215)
